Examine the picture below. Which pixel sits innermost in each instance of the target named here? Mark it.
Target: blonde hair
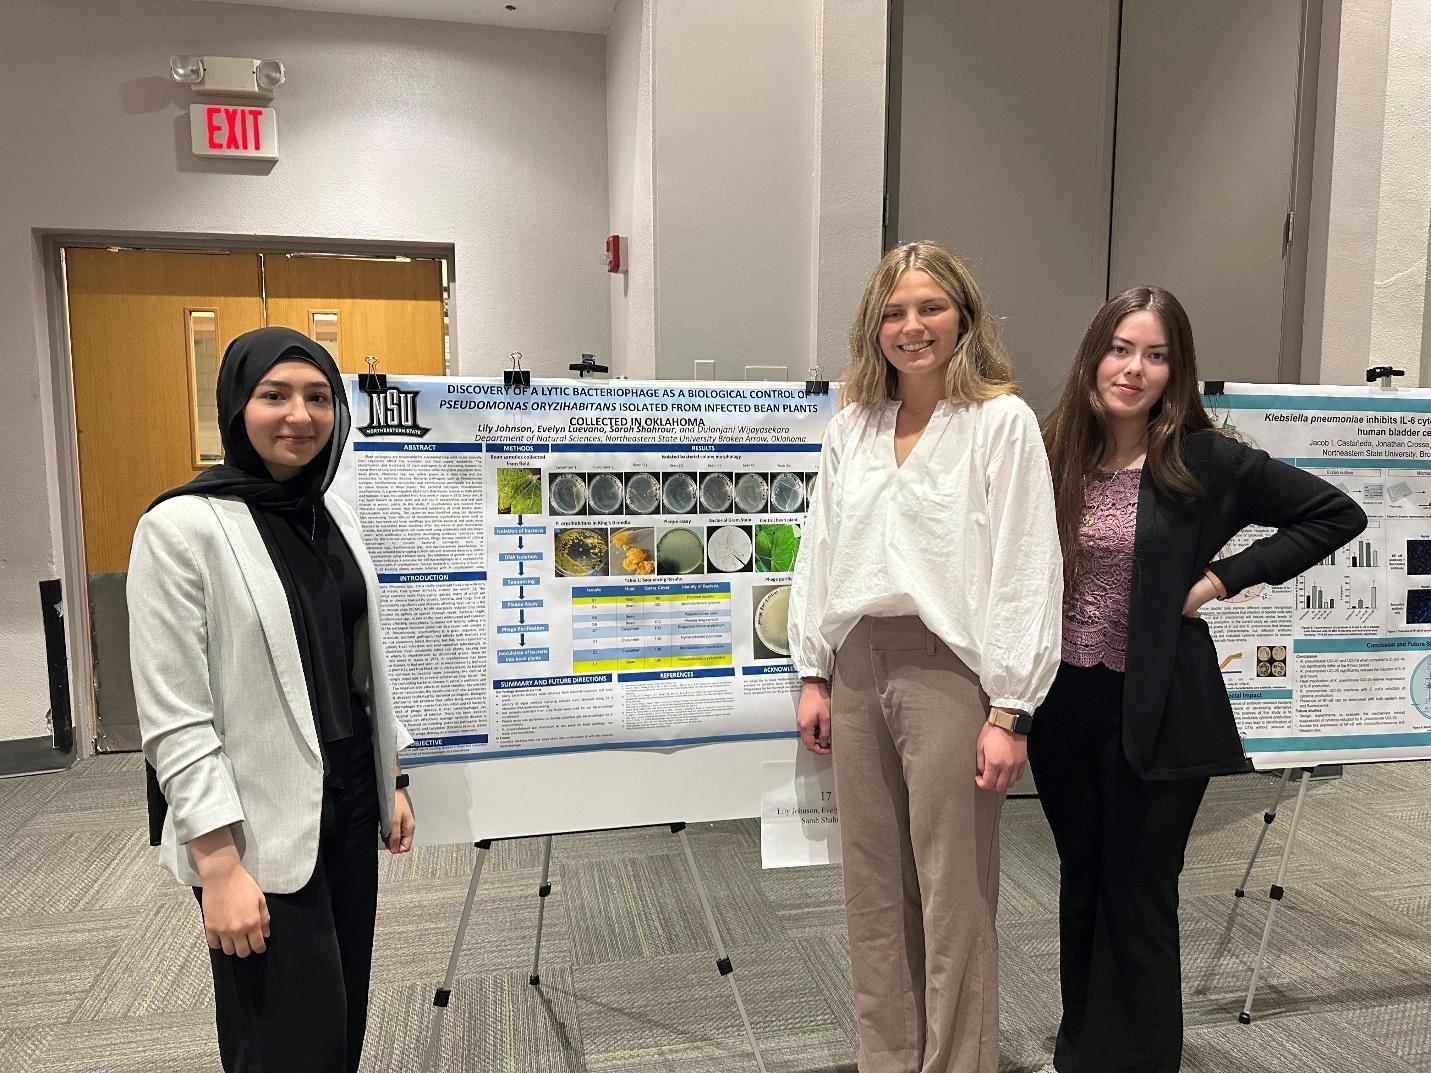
(980, 368)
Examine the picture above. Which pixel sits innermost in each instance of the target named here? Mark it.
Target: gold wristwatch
(1013, 722)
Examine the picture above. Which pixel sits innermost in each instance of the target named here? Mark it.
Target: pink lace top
(1095, 610)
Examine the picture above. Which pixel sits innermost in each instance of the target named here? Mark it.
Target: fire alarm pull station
(613, 254)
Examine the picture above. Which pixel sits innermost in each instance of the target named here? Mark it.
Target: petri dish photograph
(605, 493)
(729, 549)
(751, 492)
(680, 551)
(716, 493)
(581, 552)
(643, 493)
(567, 493)
(787, 493)
(679, 493)
(772, 620)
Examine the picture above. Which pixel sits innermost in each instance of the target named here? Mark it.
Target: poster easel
(1276, 892)
(443, 996)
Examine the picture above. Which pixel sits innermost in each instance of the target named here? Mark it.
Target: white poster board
(554, 685)
(1335, 665)
(584, 588)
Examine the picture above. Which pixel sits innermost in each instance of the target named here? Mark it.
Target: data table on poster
(651, 627)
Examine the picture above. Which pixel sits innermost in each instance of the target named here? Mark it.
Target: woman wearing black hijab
(268, 726)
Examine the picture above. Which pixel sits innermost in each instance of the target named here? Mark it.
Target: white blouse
(962, 535)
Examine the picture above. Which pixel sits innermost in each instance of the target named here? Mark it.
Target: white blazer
(223, 701)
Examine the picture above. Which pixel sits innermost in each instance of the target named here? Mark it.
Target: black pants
(302, 1007)
(1120, 842)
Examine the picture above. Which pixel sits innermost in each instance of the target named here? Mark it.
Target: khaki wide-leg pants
(921, 851)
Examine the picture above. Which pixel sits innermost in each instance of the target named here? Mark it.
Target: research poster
(1335, 666)
(584, 565)
(594, 565)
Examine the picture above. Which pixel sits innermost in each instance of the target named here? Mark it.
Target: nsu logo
(393, 413)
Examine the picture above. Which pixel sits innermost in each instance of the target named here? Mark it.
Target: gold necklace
(1108, 480)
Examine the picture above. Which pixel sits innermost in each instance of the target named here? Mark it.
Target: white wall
(735, 97)
(492, 141)
(1426, 315)
(768, 157)
(1398, 300)
(1372, 193)
(848, 203)
(632, 199)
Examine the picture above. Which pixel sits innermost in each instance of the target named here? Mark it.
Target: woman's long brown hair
(1076, 432)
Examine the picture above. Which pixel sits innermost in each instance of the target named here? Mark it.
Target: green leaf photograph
(776, 546)
(519, 490)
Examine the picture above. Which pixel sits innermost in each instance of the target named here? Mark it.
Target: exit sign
(233, 130)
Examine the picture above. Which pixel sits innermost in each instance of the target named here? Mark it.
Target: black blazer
(1177, 720)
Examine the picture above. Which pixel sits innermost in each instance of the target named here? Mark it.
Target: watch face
(1016, 723)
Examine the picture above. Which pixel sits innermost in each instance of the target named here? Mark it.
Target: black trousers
(302, 1006)
(1121, 840)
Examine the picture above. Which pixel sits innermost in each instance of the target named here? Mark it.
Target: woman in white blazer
(267, 720)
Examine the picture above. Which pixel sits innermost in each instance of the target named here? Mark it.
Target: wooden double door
(147, 330)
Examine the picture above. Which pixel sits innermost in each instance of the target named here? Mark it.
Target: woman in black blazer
(1147, 494)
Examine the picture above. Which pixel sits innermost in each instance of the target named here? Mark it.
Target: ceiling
(577, 16)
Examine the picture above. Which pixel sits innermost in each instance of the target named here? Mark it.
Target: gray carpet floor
(104, 967)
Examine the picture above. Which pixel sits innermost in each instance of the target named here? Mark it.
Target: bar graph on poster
(1335, 665)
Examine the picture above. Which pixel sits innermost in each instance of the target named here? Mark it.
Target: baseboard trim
(32, 756)
(52, 611)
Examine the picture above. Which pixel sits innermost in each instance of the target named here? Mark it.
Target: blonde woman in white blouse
(925, 619)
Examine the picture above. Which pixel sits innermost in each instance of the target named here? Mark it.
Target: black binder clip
(587, 364)
(814, 385)
(1213, 387)
(372, 382)
(1384, 373)
(516, 376)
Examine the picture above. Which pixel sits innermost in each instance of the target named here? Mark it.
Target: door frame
(64, 447)
(1295, 263)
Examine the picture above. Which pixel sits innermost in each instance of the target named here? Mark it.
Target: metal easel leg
(723, 964)
(1274, 897)
(543, 891)
(1267, 818)
(444, 993)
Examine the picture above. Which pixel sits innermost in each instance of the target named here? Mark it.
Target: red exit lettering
(233, 128)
